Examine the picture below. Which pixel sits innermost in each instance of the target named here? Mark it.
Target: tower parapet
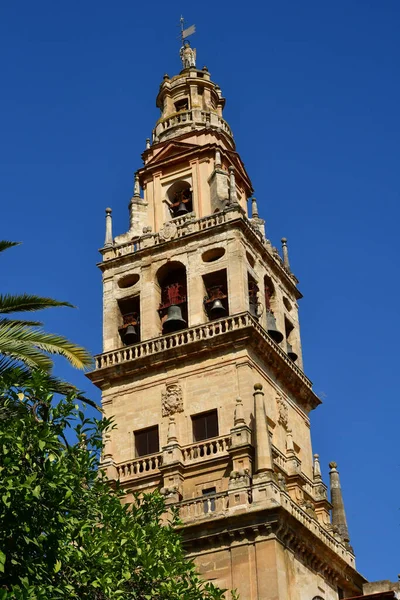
(190, 101)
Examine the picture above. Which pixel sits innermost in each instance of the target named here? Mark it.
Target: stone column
(263, 450)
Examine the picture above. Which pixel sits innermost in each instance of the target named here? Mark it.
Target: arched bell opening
(129, 321)
(255, 307)
(173, 310)
(180, 199)
(289, 333)
(216, 303)
(270, 303)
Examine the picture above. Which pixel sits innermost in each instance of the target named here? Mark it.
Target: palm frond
(11, 336)
(17, 322)
(5, 245)
(27, 302)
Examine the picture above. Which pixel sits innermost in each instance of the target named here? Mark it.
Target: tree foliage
(64, 533)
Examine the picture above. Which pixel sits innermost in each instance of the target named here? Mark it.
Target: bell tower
(202, 364)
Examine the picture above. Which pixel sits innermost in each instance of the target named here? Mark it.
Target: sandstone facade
(212, 406)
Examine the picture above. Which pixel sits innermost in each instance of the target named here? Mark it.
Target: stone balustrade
(184, 225)
(192, 335)
(213, 506)
(139, 467)
(210, 448)
(190, 118)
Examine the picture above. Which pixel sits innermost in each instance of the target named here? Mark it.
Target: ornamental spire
(338, 514)
(109, 238)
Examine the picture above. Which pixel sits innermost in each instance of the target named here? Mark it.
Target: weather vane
(187, 54)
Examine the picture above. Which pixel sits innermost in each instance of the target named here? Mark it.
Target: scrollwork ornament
(283, 410)
(172, 399)
(168, 231)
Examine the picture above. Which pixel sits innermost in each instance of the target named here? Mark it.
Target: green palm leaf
(5, 245)
(13, 337)
(27, 302)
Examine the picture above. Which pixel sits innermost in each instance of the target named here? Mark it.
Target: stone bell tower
(202, 364)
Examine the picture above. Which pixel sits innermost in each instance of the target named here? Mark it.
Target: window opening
(205, 426)
(129, 329)
(253, 296)
(173, 306)
(269, 295)
(289, 327)
(146, 441)
(182, 104)
(216, 298)
(209, 502)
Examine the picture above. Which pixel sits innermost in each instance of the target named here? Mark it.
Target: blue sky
(313, 97)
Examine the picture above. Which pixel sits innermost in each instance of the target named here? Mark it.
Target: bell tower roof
(190, 101)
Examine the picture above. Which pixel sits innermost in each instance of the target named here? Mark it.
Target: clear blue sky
(313, 98)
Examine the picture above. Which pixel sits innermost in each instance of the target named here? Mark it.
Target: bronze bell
(174, 320)
(130, 335)
(217, 309)
(290, 352)
(272, 330)
(181, 210)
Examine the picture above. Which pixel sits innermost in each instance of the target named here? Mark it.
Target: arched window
(173, 297)
(180, 199)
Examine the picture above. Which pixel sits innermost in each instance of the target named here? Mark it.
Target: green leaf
(57, 566)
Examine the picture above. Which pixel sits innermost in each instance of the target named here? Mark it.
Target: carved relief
(283, 411)
(172, 399)
(168, 231)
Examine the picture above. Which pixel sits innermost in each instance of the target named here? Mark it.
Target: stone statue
(188, 56)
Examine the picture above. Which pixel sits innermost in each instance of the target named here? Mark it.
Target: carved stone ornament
(168, 231)
(283, 418)
(172, 400)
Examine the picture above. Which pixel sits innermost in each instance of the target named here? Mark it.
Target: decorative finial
(239, 413)
(187, 54)
(109, 238)
(136, 187)
(218, 162)
(254, 208)
(147, 143)
(338, 513)
(285, 253)
(317, 468)
(289, 443)
(232, 186)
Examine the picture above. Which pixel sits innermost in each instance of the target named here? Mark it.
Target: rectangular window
(205, 426)
(209, 503)
(146, 441)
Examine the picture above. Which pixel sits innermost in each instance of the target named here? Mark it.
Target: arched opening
(254, 304)
(289, 333)
(180, 199)
(173, 301)
(129, 320)
(216, 302)
(270, 303)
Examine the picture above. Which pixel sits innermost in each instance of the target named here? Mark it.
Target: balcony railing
(206, 506)
(139, 467)
(188, 118)
(206, 449)
(184, 225)
(192, 335)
